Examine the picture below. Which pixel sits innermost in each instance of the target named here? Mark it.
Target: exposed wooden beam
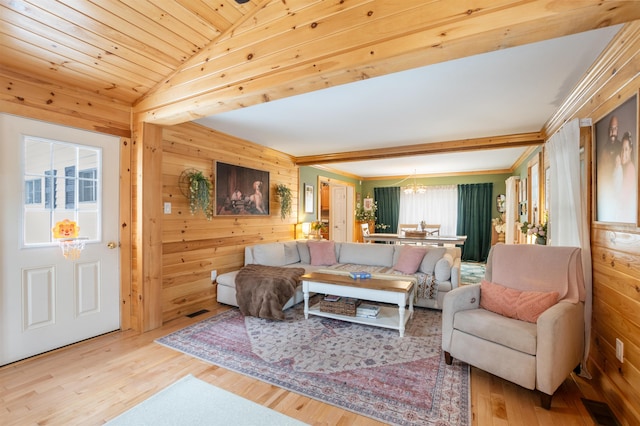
(323, 45)
(494, 142)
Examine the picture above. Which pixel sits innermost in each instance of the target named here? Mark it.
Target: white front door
(338, 219)
(50, 173)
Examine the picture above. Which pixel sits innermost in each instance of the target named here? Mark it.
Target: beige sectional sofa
(437, 274)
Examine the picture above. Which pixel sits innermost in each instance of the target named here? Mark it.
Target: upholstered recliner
(512, 333)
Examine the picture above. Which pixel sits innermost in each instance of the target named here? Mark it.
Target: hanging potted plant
(197, 188)
(284, 193)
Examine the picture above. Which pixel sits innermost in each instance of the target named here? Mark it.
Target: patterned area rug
(368, 370)
(472, 272)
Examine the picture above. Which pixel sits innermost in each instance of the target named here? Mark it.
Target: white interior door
(50, 173)
(338, 220)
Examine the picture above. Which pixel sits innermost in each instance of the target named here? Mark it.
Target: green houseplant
(197, 188)
(284, 193)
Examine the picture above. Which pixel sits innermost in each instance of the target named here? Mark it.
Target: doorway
(336, 208)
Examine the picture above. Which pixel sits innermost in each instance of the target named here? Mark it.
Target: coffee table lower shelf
(388, 317)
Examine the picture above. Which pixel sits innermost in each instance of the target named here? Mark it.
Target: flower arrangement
(499, 224)
(537, 230)
(317, 225)
(363, 215)
(382, 226)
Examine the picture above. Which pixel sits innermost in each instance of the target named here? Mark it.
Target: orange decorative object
(66, 229)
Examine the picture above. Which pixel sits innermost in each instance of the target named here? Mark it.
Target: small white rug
(190, 401)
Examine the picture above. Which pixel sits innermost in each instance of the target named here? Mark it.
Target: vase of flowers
(539, 231)
(500, 226)
(363, 215)
(316, 229)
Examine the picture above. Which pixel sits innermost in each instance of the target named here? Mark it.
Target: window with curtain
(388, 200)
(437, 205)
(474, 220)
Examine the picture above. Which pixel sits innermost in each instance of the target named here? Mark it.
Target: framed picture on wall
(368, 204)
(308, 198)
(616, 164)
(241, 191)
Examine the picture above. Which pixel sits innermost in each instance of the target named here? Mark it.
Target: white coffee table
(399, 292)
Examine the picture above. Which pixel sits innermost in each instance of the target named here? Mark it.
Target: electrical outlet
(167, 208)
(620, 350)
(214, 275)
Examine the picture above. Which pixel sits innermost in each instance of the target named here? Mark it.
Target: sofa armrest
(560, 344)
(458, 299)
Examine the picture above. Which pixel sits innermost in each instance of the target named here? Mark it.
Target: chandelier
(414, 188)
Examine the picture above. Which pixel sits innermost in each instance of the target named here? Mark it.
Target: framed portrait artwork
(241, 191)
(368, 204)
(308, 198)
(616, 164)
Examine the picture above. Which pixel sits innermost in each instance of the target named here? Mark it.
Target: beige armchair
(535, 355)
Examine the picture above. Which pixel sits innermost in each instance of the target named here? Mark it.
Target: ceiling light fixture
(414, 188)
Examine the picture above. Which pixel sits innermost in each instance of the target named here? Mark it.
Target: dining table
(438, 240)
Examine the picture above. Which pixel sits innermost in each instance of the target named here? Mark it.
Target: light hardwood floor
(93, 381)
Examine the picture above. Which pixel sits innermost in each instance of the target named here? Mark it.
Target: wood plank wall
(615, 247)
(29, 97)
(193, 246)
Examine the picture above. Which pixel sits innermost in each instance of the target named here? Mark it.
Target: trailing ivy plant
(198, 192)
(284, 193)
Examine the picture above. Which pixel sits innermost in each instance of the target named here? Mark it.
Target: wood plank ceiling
(175, 61)
(121, 49)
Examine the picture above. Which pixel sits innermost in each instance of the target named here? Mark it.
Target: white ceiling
(505, 92)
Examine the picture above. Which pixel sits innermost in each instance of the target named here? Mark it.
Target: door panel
(38, 297)
(47, 301)
(338, 213)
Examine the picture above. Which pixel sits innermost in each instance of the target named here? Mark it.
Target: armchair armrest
(458, 299)
(560, 344)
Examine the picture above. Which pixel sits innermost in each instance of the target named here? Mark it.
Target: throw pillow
(522, 305)
(270, 254)
(303, 251)
(434, 254)
(409, 259)
(323, 253)
(442, 271)
(291, 254)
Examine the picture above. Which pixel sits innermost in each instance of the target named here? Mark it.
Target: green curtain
(474, 220)
(388, 199)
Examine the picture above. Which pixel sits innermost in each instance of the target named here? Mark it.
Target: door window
(61, 180)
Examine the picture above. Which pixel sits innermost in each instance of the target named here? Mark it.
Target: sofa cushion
(323, 253)
(270, 254)
(366, 254)
(303, 251)
(291, 254)
(409, 259)
(442, 270)
(522, 305)
(432, 256)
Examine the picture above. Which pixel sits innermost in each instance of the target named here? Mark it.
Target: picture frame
(616, 164)
(308, 198)
(241, 191)
(368, 204)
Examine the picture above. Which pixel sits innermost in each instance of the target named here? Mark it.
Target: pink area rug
(368, 370)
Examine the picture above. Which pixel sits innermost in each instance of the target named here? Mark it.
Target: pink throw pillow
(522, 305)
(323, 253)
(409, 259)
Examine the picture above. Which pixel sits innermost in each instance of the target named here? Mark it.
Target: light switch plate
(620, 350)
(167, 208)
